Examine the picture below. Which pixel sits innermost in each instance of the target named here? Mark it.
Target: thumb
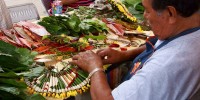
(74, 62)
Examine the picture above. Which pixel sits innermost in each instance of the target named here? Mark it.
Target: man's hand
(88, 61)
(110, 56)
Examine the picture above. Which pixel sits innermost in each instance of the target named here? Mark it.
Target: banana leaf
(135, 7)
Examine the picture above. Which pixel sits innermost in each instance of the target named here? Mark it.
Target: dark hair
(184, 7)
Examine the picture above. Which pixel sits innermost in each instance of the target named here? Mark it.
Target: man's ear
(172, 14)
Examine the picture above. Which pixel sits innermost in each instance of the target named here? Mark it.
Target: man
(168, 69)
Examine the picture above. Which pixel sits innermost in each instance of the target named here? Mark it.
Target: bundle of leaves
(57, 25)
(71, 25)
(12, 60)
(15, 59)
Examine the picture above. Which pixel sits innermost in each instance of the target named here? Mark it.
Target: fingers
(106, 61)
(75, 62)
(103, 53)
(75, 57)
(80, 56)
(87, 60)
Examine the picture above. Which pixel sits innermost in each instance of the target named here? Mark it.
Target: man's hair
(184, 7)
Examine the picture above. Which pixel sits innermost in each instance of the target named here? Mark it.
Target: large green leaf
(9, 75)
(12, 83)
(92, 26)
(135, 7)
(26, 56)
(35, 97)
(9, 96)
(51, 28)
(8, 49)
(73, 23)
(34, 72)
(15, 59)
(12, 90)
(10, 62)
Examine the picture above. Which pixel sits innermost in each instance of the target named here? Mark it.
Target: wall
(38, 3)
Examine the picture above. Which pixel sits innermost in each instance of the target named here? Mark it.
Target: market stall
(40, 52)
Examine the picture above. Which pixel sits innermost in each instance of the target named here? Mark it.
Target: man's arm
(67, 2)
(100, 89)
(111, 56)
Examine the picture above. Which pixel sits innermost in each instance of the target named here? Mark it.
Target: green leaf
(139, 17)
(45, 37)
(35, 97)
(26, 56)
(12, 83)
(139, 8)
(8, 75)
(12, 90)
(1, 70)
(15, 59)
(34, 72)
(92, 26)
(135, 7)
(10, 62)
(99, 37)
(132, 2)
(7, 48)
(133, 11)
(9, 96)
(73, 23)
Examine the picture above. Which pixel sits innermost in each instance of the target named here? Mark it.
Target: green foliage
(9, 75)
(92, 26)
(71, 25)
(135, 7)
(99, 37)
(12, 82)
(34, 72)
(11, 90)
(13, 60)
(55, 24)
(35, 97)
(26, 56)
(9, 63)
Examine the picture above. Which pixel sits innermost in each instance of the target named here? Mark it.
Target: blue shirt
(171, 73)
